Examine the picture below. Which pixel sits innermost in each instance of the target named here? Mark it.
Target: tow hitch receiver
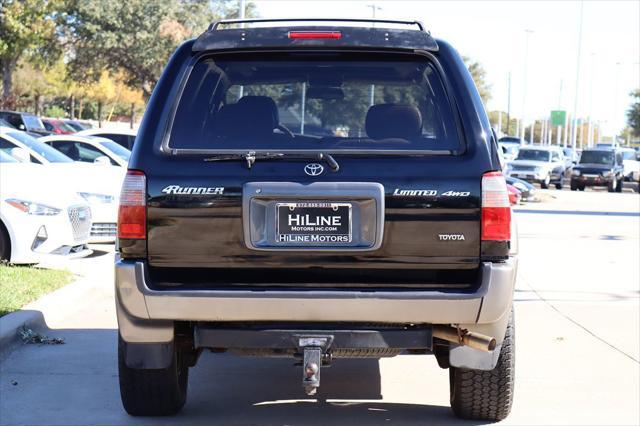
(314, 350)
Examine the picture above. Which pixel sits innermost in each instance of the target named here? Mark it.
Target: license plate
(591, 176)
(313, 223)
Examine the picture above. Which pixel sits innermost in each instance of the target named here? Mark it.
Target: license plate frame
(304, 236)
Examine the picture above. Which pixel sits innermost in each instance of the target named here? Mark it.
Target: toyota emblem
(313, 169)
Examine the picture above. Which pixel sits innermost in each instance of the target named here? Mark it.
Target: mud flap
(466, 357)
(148, 356)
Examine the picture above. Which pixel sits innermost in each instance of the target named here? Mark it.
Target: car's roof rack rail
(214, 25)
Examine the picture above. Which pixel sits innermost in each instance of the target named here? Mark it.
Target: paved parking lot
(578, 345)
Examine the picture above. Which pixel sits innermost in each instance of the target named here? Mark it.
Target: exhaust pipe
(462, 336)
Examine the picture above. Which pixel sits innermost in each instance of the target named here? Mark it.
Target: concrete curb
(11, 323)
(34, 315)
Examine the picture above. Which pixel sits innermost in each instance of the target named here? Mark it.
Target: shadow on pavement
(77, 383)
(96, 253)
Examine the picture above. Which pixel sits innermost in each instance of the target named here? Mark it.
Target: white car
(39, 217)
(124, 137)
(99, 186)
(89, 149)
(631, 165)
(540, 164)
(509, 150)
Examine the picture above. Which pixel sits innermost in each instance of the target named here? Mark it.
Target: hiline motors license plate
(313, 223)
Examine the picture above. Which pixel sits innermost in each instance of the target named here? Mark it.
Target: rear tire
(620, 185)
(559, 186)
(581, 187)
(486, 395)
(157, 392)
(544, 184)
(5, 244)
(574, 186)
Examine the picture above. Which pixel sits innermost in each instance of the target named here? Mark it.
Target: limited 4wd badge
(415, 192)
(193, 190)
(428, 193)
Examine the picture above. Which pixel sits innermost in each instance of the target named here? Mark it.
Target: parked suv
(599, 167)
(377, 222)
(541, 164)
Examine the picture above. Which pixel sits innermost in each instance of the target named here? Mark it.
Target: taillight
(315, 35)
(496, 210)
(132, 214)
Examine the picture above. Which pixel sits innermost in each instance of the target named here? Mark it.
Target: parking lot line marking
(552, 306)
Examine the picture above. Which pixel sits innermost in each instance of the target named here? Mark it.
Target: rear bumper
(534, 177)
(138, 304)
(146, 318)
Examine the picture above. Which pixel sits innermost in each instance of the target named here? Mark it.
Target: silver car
(540, 164)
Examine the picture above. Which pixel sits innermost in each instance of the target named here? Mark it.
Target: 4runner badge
(192, 190)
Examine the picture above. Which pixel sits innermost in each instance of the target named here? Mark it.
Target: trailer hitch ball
(311, 376)
(310, 370)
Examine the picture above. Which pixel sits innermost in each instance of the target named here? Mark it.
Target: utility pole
(592, 72)
(302, 106)
(524, 80)
(372, 88)
(559, 129)
(241, 9)
(615, 99)
(509, 103)
(574, 133)
(533, 128)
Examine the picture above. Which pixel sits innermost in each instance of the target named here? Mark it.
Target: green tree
(633, 113)
(479, 77)
(27, 28)
(507, 127)
(135, 36)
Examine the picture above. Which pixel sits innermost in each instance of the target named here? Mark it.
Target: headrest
(250, 116)
(393, 121)
(262, 106)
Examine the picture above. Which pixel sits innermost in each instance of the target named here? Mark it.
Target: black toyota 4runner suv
(315, 192)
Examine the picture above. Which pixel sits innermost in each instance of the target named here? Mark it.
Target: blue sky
(493, 33)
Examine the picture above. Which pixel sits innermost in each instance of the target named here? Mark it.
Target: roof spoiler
(280, 36)
(214, 25)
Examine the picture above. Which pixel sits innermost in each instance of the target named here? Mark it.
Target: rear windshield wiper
(252, 156)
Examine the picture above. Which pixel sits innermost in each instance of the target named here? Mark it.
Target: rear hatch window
(311, 101)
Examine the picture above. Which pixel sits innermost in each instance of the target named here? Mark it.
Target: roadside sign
(558, 118)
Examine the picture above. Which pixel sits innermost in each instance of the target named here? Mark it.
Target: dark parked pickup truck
(315, 192)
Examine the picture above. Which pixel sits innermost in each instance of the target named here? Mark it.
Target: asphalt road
(578, 345)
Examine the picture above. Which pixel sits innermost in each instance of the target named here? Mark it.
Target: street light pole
(574, 133)
(509, 103)
(241, 9)
(560, 127)
(592, 73)
(524, 80)
(372, 88)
